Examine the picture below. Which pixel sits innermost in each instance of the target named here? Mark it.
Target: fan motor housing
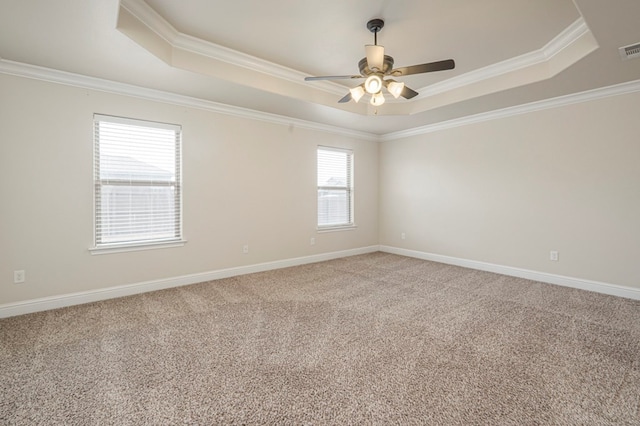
(386, 66)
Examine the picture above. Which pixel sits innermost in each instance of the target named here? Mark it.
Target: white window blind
(137, 180)
(335, 187)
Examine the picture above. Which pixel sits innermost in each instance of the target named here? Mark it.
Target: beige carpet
(371, 339)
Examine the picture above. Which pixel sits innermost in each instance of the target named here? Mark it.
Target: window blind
(335, 187)
(137, 180)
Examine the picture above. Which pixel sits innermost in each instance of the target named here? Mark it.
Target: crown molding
(566, 38)
(93, 83)
(563, 49)
(147, 15)
(151, 19)
(589, 95)
(156, 23)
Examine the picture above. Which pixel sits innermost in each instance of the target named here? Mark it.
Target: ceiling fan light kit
(377, 99)
(373, 84)
(357, 93)
(376, 65)
(395, 88)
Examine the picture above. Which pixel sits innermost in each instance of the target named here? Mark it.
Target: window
(137, 181)
(335, 187)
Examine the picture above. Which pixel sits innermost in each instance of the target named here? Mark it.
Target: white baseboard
(61, 301)
(598, 287)
(54, 302)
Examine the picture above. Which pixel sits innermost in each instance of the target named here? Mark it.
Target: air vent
(630, 52)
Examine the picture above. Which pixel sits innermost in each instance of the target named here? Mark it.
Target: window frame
(348, 187)
(100, 247)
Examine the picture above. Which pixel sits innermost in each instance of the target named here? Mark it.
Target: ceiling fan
(376, 66)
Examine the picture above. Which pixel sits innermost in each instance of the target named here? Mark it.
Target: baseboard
(596, 286)
(54, 302)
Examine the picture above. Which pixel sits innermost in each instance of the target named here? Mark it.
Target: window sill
(322, 229)
(123, 248)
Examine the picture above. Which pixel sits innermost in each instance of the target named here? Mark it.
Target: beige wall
(245, 182)
(505, 191)
(510, 190)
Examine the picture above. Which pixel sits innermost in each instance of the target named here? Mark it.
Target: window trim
(119, 247)
(124, 248)
(335, 228)
(350, 188)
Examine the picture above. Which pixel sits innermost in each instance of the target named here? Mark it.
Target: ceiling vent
(630, 52)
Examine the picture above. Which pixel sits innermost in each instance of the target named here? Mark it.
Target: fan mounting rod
(374, 26)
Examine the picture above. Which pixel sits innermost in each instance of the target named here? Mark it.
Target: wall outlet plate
(19, 276)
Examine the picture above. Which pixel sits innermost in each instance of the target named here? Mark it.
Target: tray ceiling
(253, 54)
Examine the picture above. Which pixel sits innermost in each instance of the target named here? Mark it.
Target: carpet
(370, 339)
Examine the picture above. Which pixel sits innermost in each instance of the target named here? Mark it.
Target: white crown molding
(156, 23)
(93, 83)
(64, 300)
(563, 40)
(147, 15)
(589, 95)
(151, 19)
(77, 80)
(582, 284)
(566, 38)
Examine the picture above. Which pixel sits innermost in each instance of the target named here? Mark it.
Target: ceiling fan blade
(346, 98)
(333, 77)
(408, 93)
(375, 56)
(448, 64)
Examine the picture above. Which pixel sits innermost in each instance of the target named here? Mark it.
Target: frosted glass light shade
(395, 88)
(357, 93)
(375, 56)
(377, 99)
(373, 84)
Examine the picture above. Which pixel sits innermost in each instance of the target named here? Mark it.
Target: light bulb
(377, 99)
(373, 84)
(395, 88)
(357, 93)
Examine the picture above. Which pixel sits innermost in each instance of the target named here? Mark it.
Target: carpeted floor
(372, 339)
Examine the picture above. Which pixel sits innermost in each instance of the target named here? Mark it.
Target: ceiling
(255, 54)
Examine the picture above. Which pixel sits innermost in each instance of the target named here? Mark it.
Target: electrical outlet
(553, 256)
(403, 236)
(313, 241)
(19, 277)
(245, 249)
